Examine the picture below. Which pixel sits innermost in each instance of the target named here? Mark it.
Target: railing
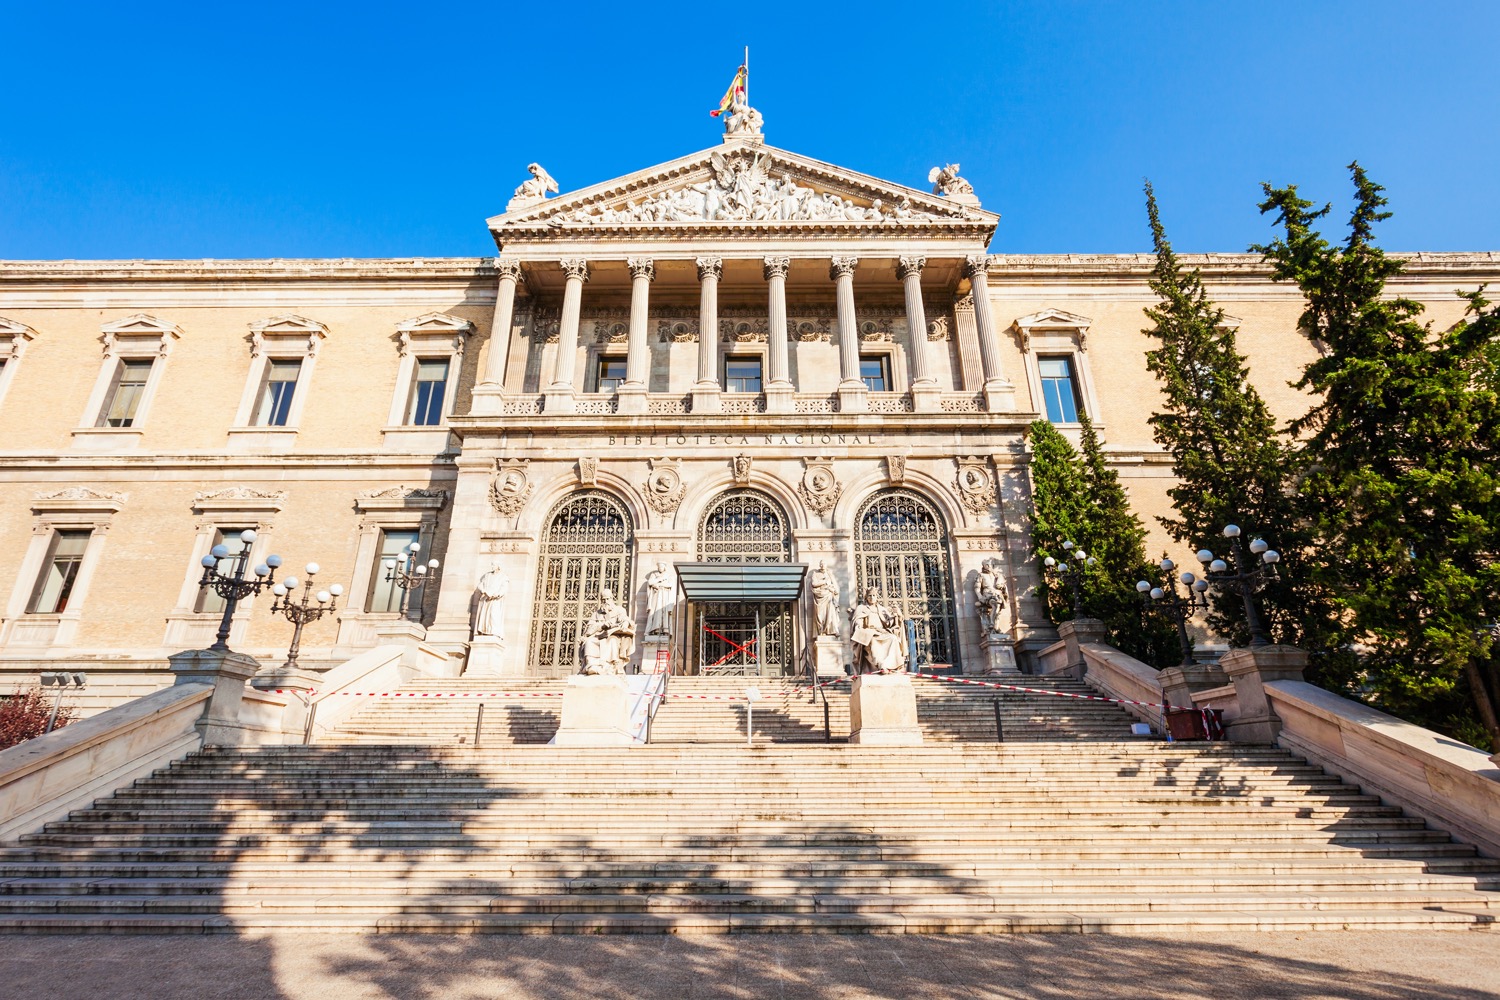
(741, 404)
(817, 404)
(671, 404)
(810, 669)
(892, 402)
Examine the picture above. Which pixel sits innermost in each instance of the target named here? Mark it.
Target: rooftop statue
(533, 189)
(945, 181)
(742, 119)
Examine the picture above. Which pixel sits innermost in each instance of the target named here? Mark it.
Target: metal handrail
(657, 699)
(812, 678)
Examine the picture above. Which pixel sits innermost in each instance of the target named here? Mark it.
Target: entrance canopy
(748, 582)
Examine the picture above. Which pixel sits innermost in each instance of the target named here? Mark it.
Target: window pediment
(14, 336)
(434, 330)
(1053, 321)
(287, 331)
(136, 333)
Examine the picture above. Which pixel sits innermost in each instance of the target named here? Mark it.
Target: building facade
(740, 358)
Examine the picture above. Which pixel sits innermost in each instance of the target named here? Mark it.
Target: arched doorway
(901, 546)
(743, 637)
(585, 548)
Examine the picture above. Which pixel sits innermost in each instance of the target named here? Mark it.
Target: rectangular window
(741, 374)
(55, 586)
(611, 374)
(125, 393)
(276, 394)
(875, 371)
(1059, 389)
(208, 601)
(428, 388)
(384, 594)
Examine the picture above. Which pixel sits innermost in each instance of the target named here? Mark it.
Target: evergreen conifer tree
(1403, 466)
(1231, 463)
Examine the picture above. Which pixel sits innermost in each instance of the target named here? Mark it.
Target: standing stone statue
(489, 618)
(989, 597)
(825, 591)
(878, 636)
(660, 601)
(608, 638)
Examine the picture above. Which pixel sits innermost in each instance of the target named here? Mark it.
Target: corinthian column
(509, 270)
(999, 392)
(775, 271)
(706, 392)
(566, 359)
(841, 270)
(924, 388)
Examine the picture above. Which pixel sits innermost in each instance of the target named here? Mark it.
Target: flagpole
(747, 76)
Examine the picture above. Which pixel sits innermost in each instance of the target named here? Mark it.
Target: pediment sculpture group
(877, 633)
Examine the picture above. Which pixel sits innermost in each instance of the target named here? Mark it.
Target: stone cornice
(1137, 266)
(276, 268)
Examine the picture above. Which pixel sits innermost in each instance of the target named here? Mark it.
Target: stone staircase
(712, 710)
(956, 837)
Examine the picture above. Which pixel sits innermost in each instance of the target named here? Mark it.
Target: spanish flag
(736, 89)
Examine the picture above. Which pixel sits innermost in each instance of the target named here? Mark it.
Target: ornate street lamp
(1071, 570)
(1178, 608)
(233, 586)
(299, 614)
(408, 574)
(1246, 577)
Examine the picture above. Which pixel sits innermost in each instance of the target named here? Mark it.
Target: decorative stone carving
(138, 325)
(841, 266)
(405, 493)
(510, 486)
(876, 331)
(611, 331)
(742, 119)
(241, 493)
(945, 181)
(677, 331)
(546, 322)
(741, 465)
(976, 487)
(664, 487)
(810, 330)
(75, 493)
(532, 190)
(820, 488)
(895, 468)
(907, 266)
(575, 267)
(641, 267)
(588, 471)
(744, 331)
(489, 616)
(776, 267)
(939, 329)
(741, 188)
(608, 639)
(710, 267)
(287, 325)
(661, 600)
(975, 264)
(508, 266)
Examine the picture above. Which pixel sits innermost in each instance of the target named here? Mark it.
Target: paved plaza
(1348, 966)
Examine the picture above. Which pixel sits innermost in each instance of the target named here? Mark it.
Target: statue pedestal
(999, 654)
(652, 649)
(486, 658)
(221, 723)
(883, 711)
(595, 713)
(828, 656)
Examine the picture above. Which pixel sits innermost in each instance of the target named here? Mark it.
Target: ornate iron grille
(742, 637)
(744, 526)
(585, 548)
(901, 546)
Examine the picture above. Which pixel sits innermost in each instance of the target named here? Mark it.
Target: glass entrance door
(738, 638)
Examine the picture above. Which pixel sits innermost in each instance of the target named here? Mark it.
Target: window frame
(61, 600)
(1053, 333)
(14, 338)
(388, 508)
(1043, 379)
(596, 376)
(76, 508)
(883, 359)
(432, 336)
(266, 409)
(236, 507)
(135, 338)
(280, 338)
(758, 357)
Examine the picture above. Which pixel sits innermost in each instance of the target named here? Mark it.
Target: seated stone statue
(608, 638)
(878, 636)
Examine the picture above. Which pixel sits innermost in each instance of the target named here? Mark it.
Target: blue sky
(374, 129)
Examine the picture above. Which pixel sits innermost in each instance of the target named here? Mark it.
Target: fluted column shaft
(637, 357)
(565, 362)
(505, 312)
(984, 319)
(910, 271)
(710, 269)
(842, 272)
(775, 271)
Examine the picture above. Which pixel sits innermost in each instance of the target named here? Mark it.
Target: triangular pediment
(743, 186)
(141, 325)
(435, 322)
(1054, 319)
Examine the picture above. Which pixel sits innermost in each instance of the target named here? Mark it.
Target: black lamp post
(409, 574)
(233, 586)
(1071, 569)
(300, 613)
(1246, 576)
(1178, 608)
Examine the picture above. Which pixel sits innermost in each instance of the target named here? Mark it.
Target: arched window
(585, 549)
(744, 526)
(901, 546)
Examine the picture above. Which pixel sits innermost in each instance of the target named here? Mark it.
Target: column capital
(710, 267)
(908, 266)
(840, 267)
(976, 264)
(641, 267)
(576, 267)
(508, 267)
(776, 267)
